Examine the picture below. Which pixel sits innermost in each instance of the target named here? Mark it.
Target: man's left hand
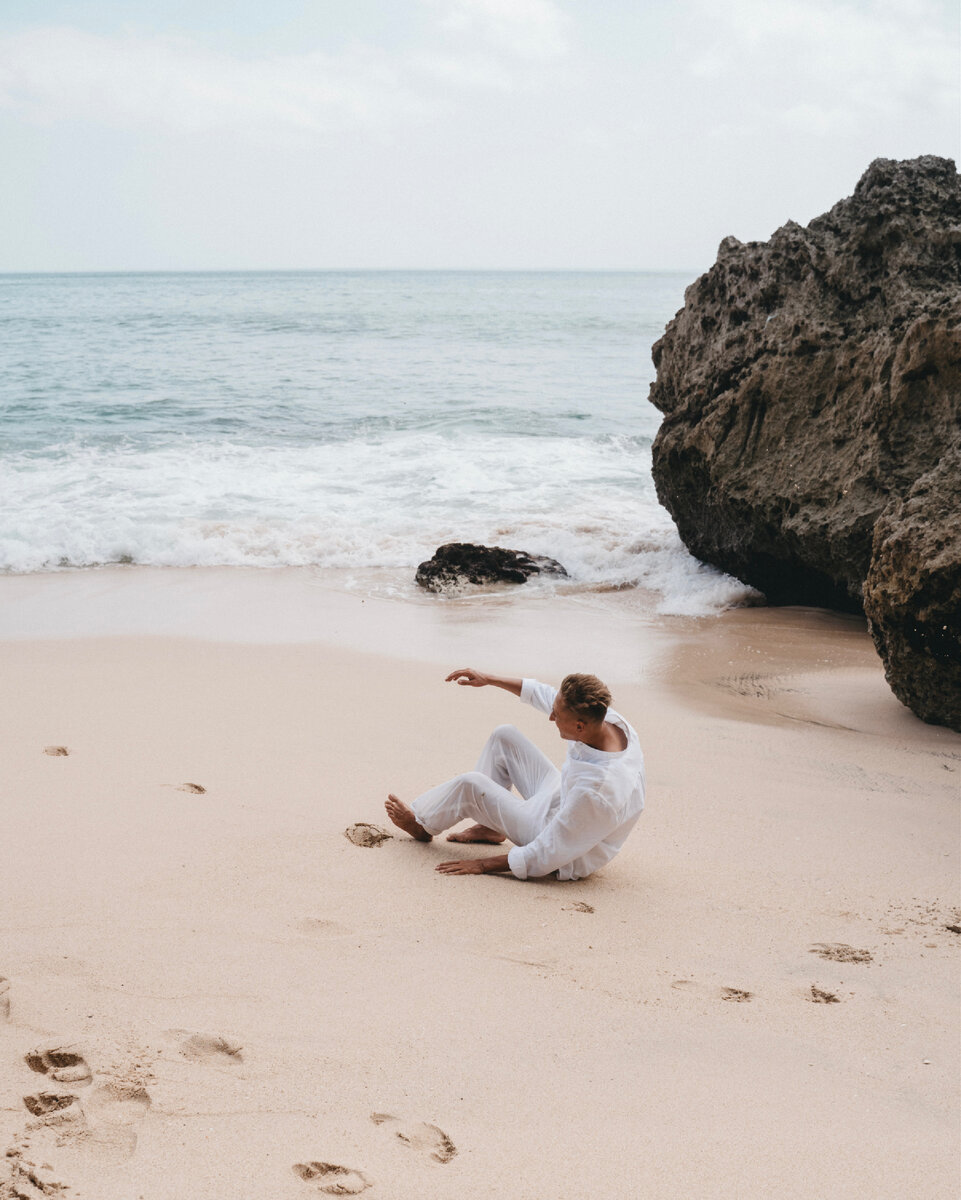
(464, 866)
(475, 866)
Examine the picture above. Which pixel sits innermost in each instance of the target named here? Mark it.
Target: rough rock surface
(912, 595)
(807, 385)
(458, 563)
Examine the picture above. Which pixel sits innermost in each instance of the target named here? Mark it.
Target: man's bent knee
(475, 799)
(474, 781)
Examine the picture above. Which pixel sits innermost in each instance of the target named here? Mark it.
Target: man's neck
(605, 736)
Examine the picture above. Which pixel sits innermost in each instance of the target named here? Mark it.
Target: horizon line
(357, 271)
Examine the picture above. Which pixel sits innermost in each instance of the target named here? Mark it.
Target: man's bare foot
(478, 833)
(404, 819)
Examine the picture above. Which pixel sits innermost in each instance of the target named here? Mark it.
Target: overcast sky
(227, 134)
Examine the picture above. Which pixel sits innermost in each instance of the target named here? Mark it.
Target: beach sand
(216, 994)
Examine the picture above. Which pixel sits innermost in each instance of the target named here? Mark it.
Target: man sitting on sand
(570, 821)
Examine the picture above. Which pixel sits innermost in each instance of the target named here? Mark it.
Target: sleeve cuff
(517, 862)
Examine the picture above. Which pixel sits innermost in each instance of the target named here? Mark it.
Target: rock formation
(458, 563)
(810, 385)
(912, 595)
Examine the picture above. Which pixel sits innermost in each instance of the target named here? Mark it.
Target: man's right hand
(468, 677)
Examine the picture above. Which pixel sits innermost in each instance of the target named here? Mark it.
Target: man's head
(580, 706)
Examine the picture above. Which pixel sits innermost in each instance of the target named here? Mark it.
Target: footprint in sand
(43, 1104)
(320, 926)
(62, 1063)
(104, 1122)
(363, 834)
(211, 1047)
(27, 1181)
(332, 1179)
(704, 991)
(56, 751)
(114, 1111)
(427, 1139)
(839, 952)
(116, 1102)
(4, 998)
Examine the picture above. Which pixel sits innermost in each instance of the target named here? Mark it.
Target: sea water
(351, 420)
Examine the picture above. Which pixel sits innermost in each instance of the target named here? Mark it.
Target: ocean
(348, 420)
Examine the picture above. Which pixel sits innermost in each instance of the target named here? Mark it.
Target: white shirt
(600, 797)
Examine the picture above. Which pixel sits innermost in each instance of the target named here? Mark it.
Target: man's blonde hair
(585, 696)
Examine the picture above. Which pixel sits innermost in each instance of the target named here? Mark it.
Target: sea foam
(390, 503)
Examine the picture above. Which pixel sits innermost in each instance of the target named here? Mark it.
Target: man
(570, 821)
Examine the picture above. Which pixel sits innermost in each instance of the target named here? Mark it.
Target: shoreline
(189, 601)
(248, 987)
(751, 662)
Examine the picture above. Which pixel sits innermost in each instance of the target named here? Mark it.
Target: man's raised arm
(468, 677)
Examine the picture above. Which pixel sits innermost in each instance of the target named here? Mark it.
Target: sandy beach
(214, 993)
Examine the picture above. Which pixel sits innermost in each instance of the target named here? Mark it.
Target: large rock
(458, 563)
(809, 382)
(912, 595)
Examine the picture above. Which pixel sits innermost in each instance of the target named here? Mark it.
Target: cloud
(529, 29)
(172, 83)
(128, 80)
(829, 66)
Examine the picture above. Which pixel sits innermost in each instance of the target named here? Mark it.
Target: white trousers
(508, 760)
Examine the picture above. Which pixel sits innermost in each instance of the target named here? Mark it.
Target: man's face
(568, 726)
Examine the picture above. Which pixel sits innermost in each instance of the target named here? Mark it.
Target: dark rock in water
(912, 595)
(458, 563)
(807, 385)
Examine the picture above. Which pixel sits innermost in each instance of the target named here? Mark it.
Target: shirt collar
(584, 753)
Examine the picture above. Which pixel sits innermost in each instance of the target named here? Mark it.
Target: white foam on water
(588, 502)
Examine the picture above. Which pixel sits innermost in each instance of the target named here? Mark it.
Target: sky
(492, 134)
